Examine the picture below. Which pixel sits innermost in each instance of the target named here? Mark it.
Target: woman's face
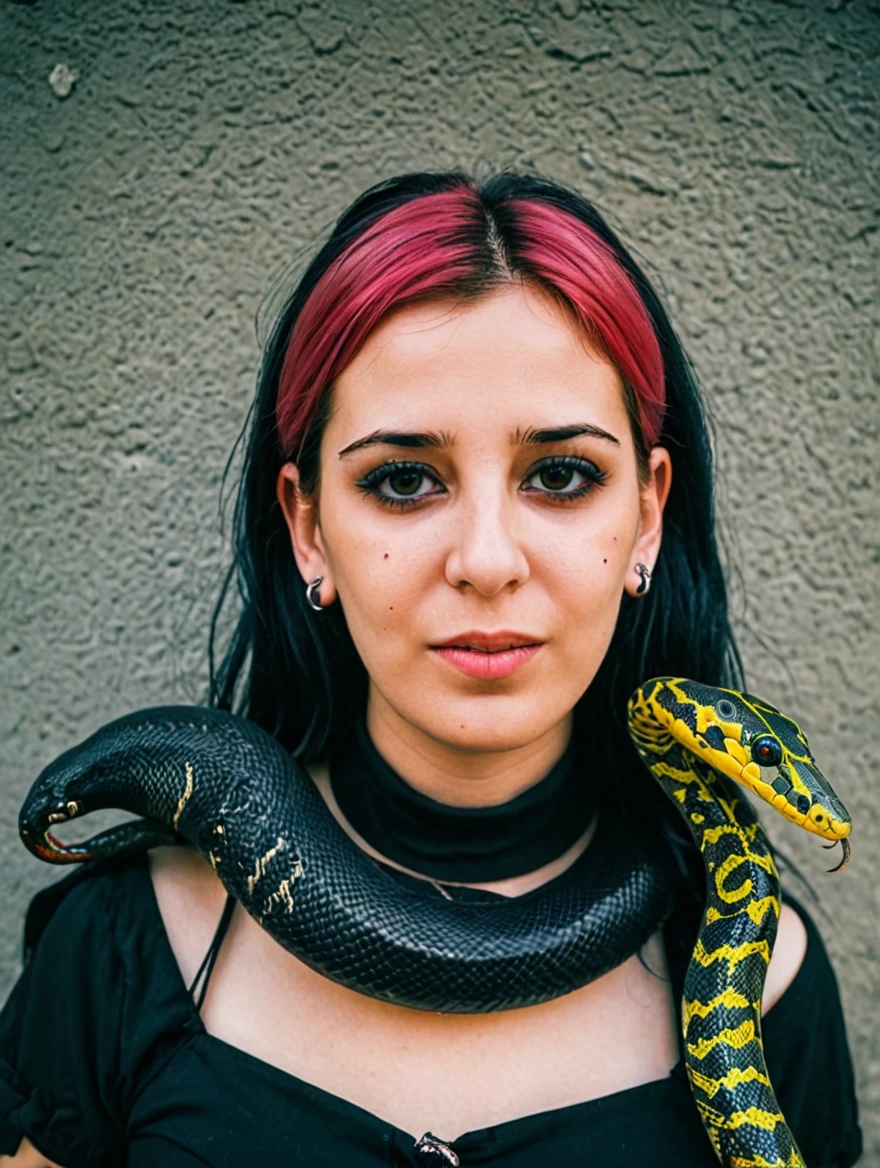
(478, 490)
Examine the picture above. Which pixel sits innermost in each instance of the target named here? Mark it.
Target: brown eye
(564, 478)
(401, 484)
(405, 482)
(556, 477)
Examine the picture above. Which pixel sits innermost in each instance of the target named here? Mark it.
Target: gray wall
(205, 146)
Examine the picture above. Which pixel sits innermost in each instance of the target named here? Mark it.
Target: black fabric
(473, 844)
(104, 1060)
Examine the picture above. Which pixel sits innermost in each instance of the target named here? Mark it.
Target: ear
(653, 496)
(301, 515)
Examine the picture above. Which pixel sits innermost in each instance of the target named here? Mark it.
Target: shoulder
(89, 904)
(137, 906)
(96, 948)
(190, 900)
(94, 944)
(788, 956)
(97, 989)
(806, 1047)
(804, 990)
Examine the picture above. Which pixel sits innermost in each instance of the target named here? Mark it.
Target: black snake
(219, 782)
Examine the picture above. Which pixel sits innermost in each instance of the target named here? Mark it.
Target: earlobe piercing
(313, 595)
(645, 583)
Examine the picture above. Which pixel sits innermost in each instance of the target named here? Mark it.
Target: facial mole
(385, 556)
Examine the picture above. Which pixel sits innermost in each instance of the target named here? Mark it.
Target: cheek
(383, 573)
(587, 568)
(587, 605)
(583, 578)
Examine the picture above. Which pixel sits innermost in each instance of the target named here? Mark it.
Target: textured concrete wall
(204, 146)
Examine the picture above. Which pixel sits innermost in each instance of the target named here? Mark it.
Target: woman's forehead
(513, 355)
(514, 315)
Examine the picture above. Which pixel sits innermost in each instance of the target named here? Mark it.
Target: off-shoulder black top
(104, 1060)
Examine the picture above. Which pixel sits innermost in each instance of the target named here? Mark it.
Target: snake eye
(725, 709)
(766, 751)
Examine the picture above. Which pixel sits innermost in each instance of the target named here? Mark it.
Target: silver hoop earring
(313, 596)
(645, 583)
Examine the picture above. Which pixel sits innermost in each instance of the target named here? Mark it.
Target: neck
(513, 886)
(474, 773)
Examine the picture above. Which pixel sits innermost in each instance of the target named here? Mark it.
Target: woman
(473, 426)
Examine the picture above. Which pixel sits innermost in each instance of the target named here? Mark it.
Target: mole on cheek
(386, 556)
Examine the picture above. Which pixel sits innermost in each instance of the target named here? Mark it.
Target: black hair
(301, 678)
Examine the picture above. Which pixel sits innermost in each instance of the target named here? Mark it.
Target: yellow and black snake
(227, 787)
(695, 739)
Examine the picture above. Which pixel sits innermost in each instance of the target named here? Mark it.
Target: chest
(445, 1073)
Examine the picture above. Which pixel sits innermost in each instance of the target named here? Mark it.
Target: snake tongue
(847, 852)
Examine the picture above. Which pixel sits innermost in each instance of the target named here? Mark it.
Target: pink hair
(437, 245)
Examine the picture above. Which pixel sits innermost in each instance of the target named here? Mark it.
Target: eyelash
(370, 483)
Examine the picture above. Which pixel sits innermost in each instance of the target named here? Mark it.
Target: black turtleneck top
(105, 1061)
(462, 844)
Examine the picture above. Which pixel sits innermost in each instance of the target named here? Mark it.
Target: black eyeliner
(371, 481)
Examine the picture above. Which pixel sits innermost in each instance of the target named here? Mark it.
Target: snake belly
(221, 783)
(696, 740)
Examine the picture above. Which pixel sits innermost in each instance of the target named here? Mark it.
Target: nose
(487, 552)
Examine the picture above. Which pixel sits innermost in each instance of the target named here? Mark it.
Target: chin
(489, 723)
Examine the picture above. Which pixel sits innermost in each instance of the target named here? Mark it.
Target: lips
(488, 656)
(478, 642)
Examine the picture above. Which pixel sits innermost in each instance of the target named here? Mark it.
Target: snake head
(60, 794)
(67, 789)
(755, 744)
(780, 757)
(137, 763)
(35, 822)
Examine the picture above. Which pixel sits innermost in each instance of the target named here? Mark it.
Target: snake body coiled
(219, 782)
(224, 785)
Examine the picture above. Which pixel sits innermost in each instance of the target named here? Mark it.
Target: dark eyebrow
(561, 434)
(399, 438)
(413, 440)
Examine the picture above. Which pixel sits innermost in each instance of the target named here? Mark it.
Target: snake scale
(695, 739)
(219, 782)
